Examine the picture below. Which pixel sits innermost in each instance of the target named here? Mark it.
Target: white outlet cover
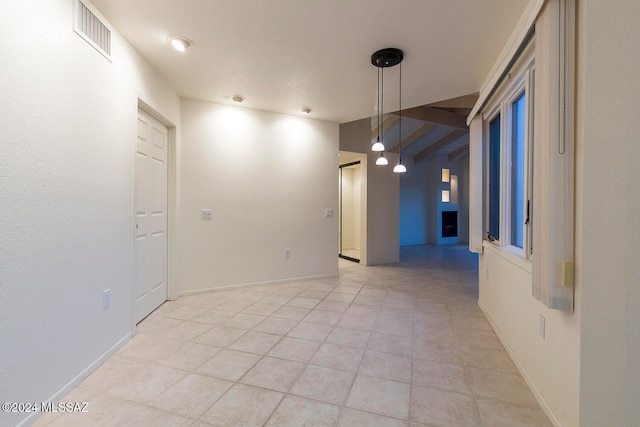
(207, 214)
(541, 326)
(106, 298)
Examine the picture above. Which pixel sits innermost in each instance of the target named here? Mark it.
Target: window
(494, 179)
(508, 152)
(517, 171)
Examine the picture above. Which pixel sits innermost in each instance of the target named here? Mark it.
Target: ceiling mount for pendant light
(387, 57)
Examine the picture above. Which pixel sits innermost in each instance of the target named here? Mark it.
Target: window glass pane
(517, 172)
(494, 178)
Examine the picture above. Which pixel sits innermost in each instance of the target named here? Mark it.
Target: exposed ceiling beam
(386, 124)
(458, 153)
(442, 142)
(466, 101)
(458, 111)
(436, 116)
(412, 137)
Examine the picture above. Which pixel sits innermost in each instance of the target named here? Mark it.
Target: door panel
(150, 201)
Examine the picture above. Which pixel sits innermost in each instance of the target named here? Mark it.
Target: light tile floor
(395, 345)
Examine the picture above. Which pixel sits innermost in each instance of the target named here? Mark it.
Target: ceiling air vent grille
(92, 29)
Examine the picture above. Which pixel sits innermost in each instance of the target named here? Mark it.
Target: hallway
(395, 345)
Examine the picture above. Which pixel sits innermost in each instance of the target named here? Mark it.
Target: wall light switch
(207, 214)
(287, 252)
(328, 213)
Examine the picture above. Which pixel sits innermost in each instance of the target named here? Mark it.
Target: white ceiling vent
(89, 25)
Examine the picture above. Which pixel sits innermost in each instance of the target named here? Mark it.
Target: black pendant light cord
(381, 97)
(400, 120)
(379, 116)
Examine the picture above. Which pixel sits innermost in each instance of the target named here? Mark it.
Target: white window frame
(520, 79)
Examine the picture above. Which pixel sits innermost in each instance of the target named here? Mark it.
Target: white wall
(586, 369)
(268, 179)
(383, 211)
(67, 117)
(551, 365)
(608, 202)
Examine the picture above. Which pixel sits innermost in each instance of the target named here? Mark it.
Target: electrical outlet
(287, 252)
(106, 298)
(207, 214)
(541, 326)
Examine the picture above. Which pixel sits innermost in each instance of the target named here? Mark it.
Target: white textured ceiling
(281, 55)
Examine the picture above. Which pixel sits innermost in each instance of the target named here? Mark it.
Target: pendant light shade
(382, 160)
(377, 146)
(399, 168)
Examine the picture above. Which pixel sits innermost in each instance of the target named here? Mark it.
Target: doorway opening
(349, 212)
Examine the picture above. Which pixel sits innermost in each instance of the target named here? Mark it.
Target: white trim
(476, 186)
(508, 254)
(254, 284)
(508, 55)
(491, 115)
(521, 87)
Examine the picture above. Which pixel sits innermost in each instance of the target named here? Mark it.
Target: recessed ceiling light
(179, 43)
(237, 99)
(305, 110)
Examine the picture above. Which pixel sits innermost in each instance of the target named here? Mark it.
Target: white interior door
(150, 200)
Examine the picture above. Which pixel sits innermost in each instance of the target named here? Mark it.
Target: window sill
(522, 263)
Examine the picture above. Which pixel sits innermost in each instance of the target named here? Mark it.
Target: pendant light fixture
(382, 160)
(378, 145)
(382, 59)
(400, 168)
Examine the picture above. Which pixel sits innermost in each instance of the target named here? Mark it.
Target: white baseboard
(532, 385)
(77, 380)
(254, 284)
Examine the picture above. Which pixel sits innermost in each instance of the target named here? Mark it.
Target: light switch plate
(207, 214)
(328, 213)
(541, 326)
(106, 298)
